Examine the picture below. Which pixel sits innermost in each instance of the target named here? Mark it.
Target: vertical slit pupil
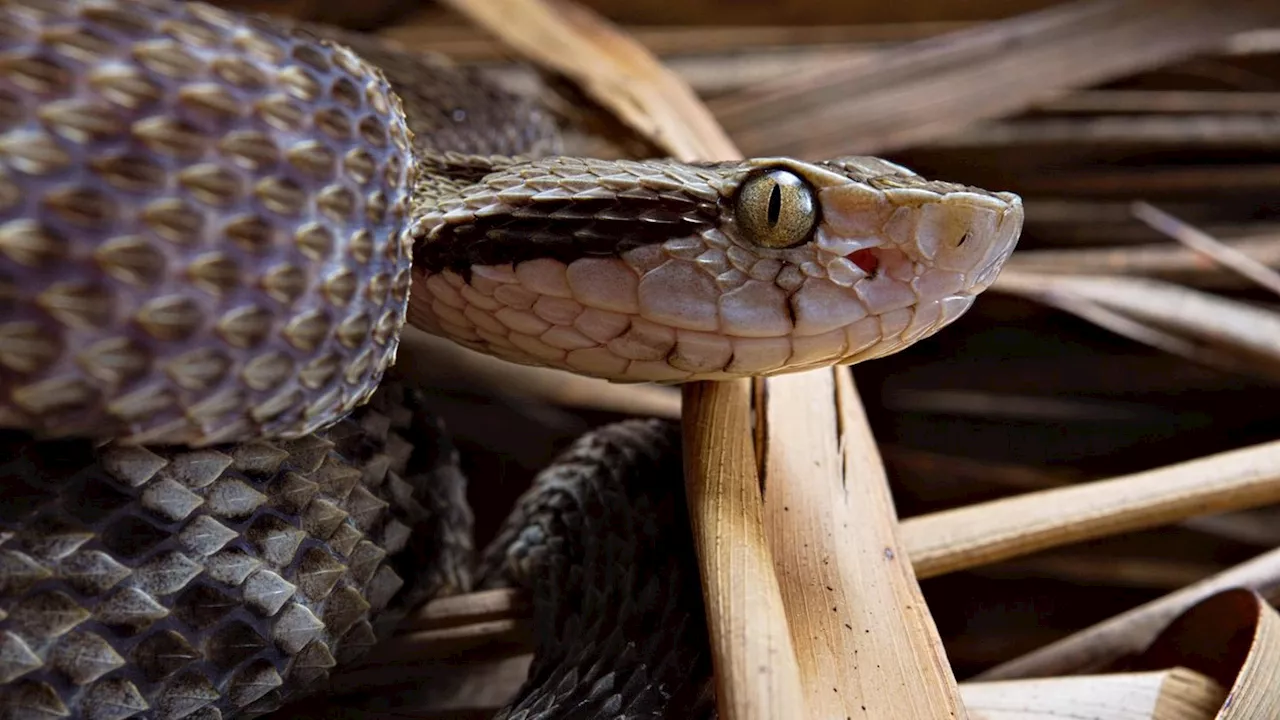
(775, 204)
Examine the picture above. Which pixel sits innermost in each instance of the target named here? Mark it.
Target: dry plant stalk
(1197, 325)
(1161, 260)
(514, 629)
(1081, 567)
(458, 610)
(988, 532)
(756, 671)
(1174, 694)
(970, 536)
(1157, 180)
(1205, 130)
(488, 626)
(867, 644)
(1126, 635)
(1209, 246)
(1165, 101)
(920, 91)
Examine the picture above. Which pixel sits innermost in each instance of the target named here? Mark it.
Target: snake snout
(962, 231)
(999, 244)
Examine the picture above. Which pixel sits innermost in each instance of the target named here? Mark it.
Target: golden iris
(776, 209)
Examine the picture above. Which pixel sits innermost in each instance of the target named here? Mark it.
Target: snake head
(669, 272)
(873, 249)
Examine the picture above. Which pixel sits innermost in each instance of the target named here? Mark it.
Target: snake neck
(443, 175)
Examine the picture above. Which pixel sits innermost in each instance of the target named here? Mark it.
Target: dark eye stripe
(564, 231)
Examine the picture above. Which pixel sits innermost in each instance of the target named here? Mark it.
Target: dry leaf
(1233, 637)
(1199, 326)
(917, 92)
(755, 661)
(1127, 634)
(988, 532)
(1208, 245)
(1164, 261)
(1175, 694)
(858, 618)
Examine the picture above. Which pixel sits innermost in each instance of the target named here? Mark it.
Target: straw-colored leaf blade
(1204, 131)
(1233, 637)
(1164, 260)
(471, 629)
(1174, 694)
(1165, 101)
(755, 663)
(1018, 525)
(865, 641)
(457, 610)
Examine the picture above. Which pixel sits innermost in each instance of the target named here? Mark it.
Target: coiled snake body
(213, 229)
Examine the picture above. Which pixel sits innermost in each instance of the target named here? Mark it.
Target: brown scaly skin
(201, 224)
(164, 582)
(602, 542)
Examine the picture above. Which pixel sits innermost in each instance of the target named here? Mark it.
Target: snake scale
(213, 230)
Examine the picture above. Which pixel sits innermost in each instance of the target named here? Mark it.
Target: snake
(215, 228)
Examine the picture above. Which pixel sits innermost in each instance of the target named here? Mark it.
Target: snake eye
(776, 209)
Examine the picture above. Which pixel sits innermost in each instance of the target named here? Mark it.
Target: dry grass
(1065, 457)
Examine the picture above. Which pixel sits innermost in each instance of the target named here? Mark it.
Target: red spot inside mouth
(866, 259)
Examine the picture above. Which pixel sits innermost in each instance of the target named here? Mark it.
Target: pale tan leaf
(756, 671)
(1175, 694)
(987, 532)
(1233, 637)
(850, 596)
(1127, 634)
(1159, 260)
